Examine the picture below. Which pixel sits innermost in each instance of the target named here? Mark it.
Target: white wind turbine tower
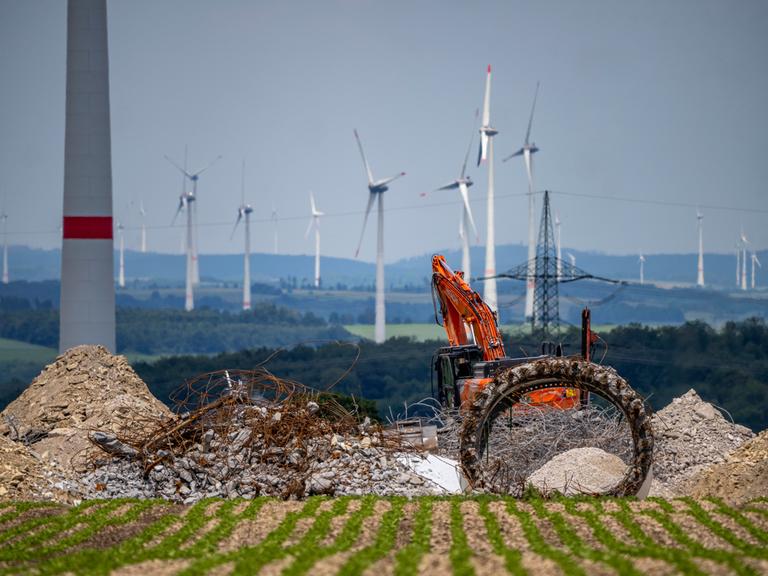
(744, 243)
(755, 261)
(558, 244)
(641, 260)
(467, 222)
(194, 177)
(4, 218)
(185, 201)
(315, 222)
(487, 132)
(527, 151)
(244, 212)
(738, 264)
(143, 227)
(121, 274)
(700, 266)
(376, 189)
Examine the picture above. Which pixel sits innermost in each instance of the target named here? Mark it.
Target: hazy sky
(659, 100)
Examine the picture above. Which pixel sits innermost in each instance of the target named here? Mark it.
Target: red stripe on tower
(88, 228)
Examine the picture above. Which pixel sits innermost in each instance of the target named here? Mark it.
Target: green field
(15, 350)
(357, 535)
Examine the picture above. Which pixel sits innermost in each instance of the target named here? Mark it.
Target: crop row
(350, 535)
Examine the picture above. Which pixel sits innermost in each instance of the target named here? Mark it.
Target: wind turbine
(641, 260)
(121, 234)
(4, 218)
(315, 222)
(185, 203)
(700, 266)
(376, 189)
(487, 132)
(738, 264)
(194, 177)
(529, 148)
(754, 261)
(143, 227)
(462, 184)
(558, 243)
(245, 211)
(744, 243)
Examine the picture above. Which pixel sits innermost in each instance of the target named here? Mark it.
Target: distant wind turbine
(754, 261)
(194, 177)
(641, 260)
(738, 264)
(527, 151)
(186, 199)
(244, 212)
(487, 132)
(467, 222)
(121, 274)
(700, 266)
(314, 222)
(376, 189)
(744, 244)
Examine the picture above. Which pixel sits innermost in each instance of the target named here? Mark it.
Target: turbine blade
(518, 153)
(530, 119)
(465, 197)
(529, 170)
(365, 160)
(449, 186)
(211, 163)
(487, 99)
(182, 203)
(469, 148)
(386, 181)
(482, 152)
(312, 202)
(309, 227)
(239, 217)
(179, 168)
(371, 197)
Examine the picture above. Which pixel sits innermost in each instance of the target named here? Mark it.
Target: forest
(728, 367)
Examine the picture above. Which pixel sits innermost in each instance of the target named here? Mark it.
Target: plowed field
(381, 536)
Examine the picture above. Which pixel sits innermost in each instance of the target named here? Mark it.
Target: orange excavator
(476, 352)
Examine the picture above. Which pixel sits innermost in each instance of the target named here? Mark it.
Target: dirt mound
(742, 477)
(579, 471)
(84, 389)
(22, 475)
(691, 435)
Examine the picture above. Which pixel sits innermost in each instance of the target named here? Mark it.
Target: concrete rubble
(88, 427)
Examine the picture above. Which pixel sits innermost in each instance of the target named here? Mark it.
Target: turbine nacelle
(531, 148)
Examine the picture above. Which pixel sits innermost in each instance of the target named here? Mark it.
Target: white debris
(444, 472)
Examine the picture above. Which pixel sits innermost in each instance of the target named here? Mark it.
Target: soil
(742, 477)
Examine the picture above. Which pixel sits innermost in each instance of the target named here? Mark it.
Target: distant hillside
(34, 265)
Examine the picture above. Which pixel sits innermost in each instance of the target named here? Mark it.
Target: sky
(646, 110)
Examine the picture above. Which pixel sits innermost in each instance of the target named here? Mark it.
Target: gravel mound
(691, 435)
(84, 389)
(579, 471)
(742, 477)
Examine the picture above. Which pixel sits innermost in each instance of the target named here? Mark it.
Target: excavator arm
(466, 316)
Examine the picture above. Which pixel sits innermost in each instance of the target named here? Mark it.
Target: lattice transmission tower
(549, 273)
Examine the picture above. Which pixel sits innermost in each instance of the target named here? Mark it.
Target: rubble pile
(22, 474)
(249, 434)
(579, 471)
(743, 476)
(691, 435)
(87, 388)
